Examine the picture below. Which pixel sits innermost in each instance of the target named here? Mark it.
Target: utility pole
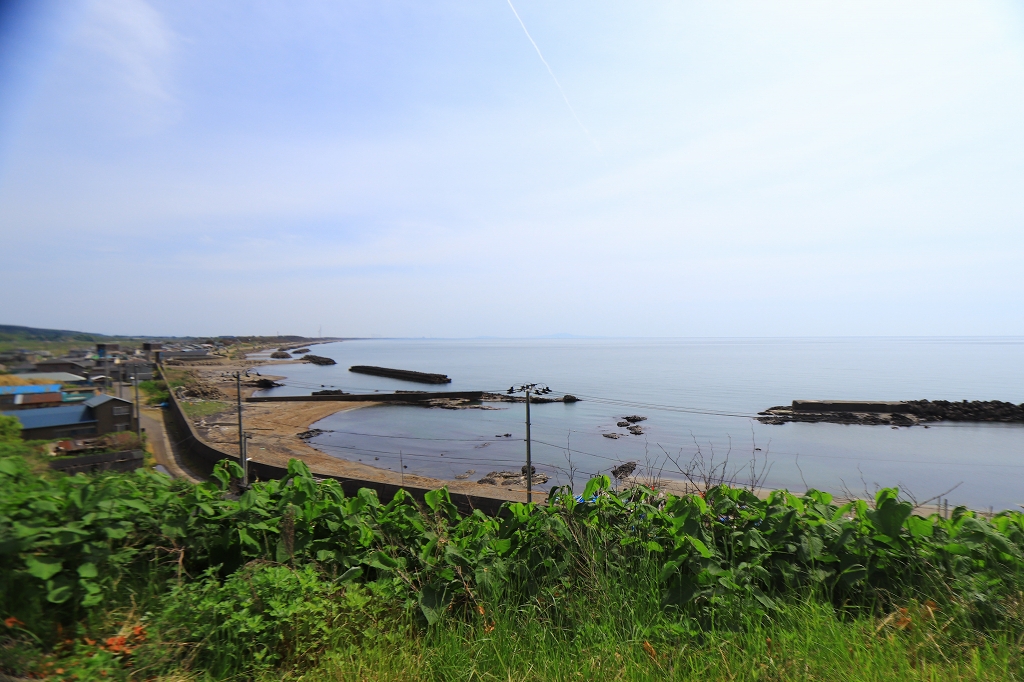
(528, 469)
(529, 461)
(241, 433)
(138, 406)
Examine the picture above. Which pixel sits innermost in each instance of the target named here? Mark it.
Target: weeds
(292, 574)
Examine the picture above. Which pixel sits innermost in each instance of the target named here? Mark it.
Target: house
(80, 367)
(28, 397)
(125, 370)
(96, 416)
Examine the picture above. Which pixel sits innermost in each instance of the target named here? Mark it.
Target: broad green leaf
(59, 594)
(382, 561)
(596, 485)
(919, 527)
(43, 568)
(353, 573)
(700, 547)
(88, 570)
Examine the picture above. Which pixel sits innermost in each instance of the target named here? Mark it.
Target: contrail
(553, 76)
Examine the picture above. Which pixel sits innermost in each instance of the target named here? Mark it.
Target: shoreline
(275, 427)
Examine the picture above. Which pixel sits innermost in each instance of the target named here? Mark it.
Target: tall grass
(806, 640)
(294, 580)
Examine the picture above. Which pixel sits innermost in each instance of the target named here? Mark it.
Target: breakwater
(894, 413)
(397, 397)
(403, 374)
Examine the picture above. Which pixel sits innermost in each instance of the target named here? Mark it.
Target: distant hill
(12, 333)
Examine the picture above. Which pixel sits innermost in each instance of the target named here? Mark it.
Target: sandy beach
(275, 427)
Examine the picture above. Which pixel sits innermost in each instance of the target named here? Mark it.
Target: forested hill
(14, 333)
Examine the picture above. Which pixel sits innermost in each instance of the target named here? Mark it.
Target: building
(199, 353)
(125, 370)
(78, 366)
(28, 397)
(105, 349)
(97, 416)
(58, 378)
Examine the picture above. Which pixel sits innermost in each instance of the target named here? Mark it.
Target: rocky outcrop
(199, 391)
(329, 391)
(280, 355)
(513, 478)
(624, 470)
(318, 360)
(900, 413)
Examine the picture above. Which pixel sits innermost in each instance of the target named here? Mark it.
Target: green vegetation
(136, 576)
(10, 429)
(56, 341)
(204, 408)
(156, 391)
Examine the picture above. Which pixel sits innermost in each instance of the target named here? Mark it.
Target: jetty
(398, 397)
(403, 374)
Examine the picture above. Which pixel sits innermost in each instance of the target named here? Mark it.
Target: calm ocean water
(660, 378)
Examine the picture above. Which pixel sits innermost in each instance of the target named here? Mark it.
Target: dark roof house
(96, 416)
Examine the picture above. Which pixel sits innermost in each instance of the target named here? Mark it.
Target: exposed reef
(895, 413)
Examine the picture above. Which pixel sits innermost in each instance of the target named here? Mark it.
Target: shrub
(10, 429)
(263, 615)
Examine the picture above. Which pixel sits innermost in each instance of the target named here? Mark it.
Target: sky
(420, 169)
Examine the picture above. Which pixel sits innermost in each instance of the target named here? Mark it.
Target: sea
(700, 397)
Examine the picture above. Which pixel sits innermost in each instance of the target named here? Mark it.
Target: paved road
(164, 451)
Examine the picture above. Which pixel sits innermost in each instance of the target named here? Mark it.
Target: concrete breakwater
(895, 413)
(403, 374)
(397, 397)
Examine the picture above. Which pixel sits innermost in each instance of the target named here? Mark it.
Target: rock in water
(318, 360)
(624, 470)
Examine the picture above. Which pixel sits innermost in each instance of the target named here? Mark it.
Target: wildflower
(12, 622)
(118, 645)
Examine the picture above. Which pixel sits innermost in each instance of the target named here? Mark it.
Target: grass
(204, 408)
(165, 580)
(807, 641)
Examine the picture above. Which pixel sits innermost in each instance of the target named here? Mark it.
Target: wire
(657, 406)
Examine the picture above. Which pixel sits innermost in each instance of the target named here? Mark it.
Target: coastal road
(163, 450)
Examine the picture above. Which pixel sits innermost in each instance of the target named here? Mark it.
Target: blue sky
(411, 169)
